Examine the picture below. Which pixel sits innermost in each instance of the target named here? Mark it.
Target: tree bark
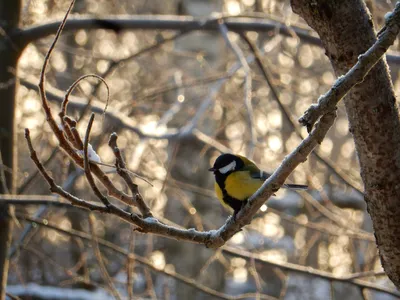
(9, 18)
(346, 30)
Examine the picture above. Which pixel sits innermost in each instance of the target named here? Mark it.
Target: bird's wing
(255, 172)
(259, 175)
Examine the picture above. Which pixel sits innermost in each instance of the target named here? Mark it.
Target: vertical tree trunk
(9, 18)
(346, 30)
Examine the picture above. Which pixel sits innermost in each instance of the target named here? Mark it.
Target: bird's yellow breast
(239, 185)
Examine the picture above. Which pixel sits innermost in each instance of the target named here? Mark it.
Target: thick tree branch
(371, 108)
(162, 22)
(22, 37)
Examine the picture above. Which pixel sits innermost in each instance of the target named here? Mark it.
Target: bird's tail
(295, 186)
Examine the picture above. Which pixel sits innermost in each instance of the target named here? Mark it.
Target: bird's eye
(228, 168)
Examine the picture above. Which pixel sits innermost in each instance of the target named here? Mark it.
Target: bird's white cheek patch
(228, 168)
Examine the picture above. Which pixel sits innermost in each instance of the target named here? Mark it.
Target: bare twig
(256, 276)
(45, 201)
(72, 132)
(71, 89)
(64, 143)
(117, 117)
(364, 274)
(122, 171)
(338, 219)
(88, 173)
(55, 188)
(3, 182)
(130, 264)
(210, 141)
(247, 86)
(34, 173)
(99, 258)
(155, 91)
(327, 229)
(285, 266)
(12, 297)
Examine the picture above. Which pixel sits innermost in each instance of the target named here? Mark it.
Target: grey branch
(239, 24)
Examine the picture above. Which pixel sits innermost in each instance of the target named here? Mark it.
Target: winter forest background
(178, 98)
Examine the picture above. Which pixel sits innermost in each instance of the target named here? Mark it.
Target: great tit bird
(237, 178)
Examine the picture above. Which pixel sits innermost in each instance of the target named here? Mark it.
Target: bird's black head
(227, 163)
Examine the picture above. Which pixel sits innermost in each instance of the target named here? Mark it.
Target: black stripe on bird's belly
(231, 201)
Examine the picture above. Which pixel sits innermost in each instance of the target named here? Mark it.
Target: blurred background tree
(163, 78)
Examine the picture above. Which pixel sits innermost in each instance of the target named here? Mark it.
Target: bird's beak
(211, 169)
